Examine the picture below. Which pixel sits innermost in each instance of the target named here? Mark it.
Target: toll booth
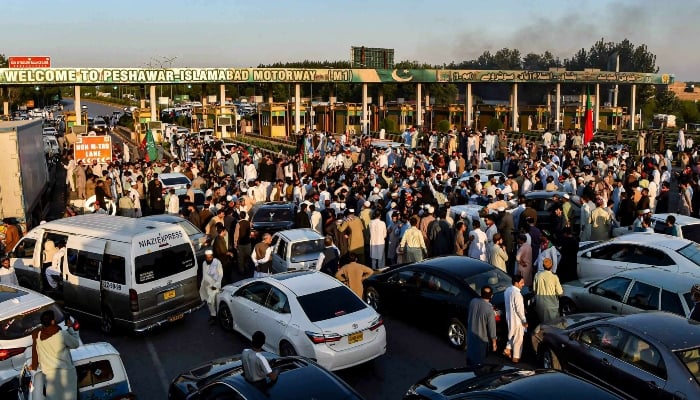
(532, 118)
(454, 113)
(573, 117)
(611, 117)
(347, 118)
(291, 121)
(142, 117)
(401, 114)
(70, 119)
(486, 112)
(273, 119)
(323, 117)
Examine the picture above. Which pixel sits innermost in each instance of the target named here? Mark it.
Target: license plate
(170, 294)
(175, 317)
(355, 337)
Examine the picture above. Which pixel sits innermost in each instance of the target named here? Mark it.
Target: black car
(271, 217)
(299, 378)
(653, 355)
(437, 292)
(543, 202)
(499, 382)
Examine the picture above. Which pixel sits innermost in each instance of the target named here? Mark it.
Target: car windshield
(164, 263)
(691, 252)
(189, 228)
(22, 325)
(307, 247)
(272, 215)
(497, 279)
(691, 232)
(587, 246)
(691, 359)
(178, 180)
(330, 303)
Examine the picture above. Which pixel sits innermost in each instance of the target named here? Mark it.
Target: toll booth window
(114, 269)
(84, 264)
(278, 120)
(93, 373)
(25, 248)
(354, 120)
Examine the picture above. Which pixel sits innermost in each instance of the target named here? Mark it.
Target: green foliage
(689, 111)
(443, 126)
(265, 144)
(126, 121)
(389, 125)
(494, 125)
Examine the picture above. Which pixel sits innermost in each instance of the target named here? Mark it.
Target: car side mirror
(587, 254)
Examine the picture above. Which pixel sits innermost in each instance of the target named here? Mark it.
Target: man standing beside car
(515, 316)
(212, 273)
(241, 240)
(695, 295)
(255, 366)
(481, 328)
(262, 256)
(547, 292)
(352, 275)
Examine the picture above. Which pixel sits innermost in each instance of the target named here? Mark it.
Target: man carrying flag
(149, 144)
(588, 127)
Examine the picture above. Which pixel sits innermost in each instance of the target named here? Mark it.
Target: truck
(24, 178)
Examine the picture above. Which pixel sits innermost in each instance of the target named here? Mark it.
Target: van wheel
(287, 349)
(107, 322)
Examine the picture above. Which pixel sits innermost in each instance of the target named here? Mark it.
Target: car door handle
(605, 362)
(281, 322)
(614, 308)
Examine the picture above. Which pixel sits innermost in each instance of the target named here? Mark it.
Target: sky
(233, 33)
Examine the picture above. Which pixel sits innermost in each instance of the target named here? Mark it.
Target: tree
(443, 125)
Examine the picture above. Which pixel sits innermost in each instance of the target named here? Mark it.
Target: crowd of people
(380, 203)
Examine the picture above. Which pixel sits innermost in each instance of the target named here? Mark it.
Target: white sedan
(598, 260)
(304, 313)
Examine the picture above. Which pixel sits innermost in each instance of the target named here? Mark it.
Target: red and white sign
(89, 148)
(29, 62)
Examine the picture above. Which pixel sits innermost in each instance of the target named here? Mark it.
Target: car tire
(457, 334)
(106, 321)
(225, 317)
(567, 306)
(372, 298)
(286, 349)
(550, 360)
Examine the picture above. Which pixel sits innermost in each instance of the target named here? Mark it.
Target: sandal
(506, 353)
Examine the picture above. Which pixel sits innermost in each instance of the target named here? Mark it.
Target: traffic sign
(90, 148)
(29, 62)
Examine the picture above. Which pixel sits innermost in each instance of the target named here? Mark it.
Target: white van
(128, 272)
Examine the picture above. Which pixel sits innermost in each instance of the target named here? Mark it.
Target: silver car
(631, 292)
(296, 249)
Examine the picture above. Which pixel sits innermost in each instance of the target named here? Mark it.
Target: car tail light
(497, 312)
(9, 353)
(318, 338)
(133, 300)
(376, 324)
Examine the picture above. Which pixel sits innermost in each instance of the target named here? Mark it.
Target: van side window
(84, 264)
(25, 248)
(114, 269)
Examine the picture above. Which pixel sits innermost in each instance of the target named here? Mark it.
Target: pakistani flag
(588, 125)
(151, 150)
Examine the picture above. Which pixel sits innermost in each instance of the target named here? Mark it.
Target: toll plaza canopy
(137, 76)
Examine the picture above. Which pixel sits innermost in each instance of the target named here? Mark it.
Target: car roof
(679, 282)
(680, 219)
(167, 218)
(673, 331)
(171, 175)
(463, 267)
(121, 229)
(304, 282)
(293, 235)
(16, 300)
(93, 350)
(651, 238)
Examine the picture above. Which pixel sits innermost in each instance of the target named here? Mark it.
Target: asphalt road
(152, 360)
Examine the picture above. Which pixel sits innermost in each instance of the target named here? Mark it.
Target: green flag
(151, 146)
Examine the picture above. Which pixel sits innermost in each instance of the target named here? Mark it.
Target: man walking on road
(515, 315)
(212, 273)
(481, 328)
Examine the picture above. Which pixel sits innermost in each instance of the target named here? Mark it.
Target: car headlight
(411, 392)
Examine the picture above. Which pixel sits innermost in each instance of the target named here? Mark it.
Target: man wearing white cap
(212, 273)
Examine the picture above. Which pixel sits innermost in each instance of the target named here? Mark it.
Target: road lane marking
(158, 366)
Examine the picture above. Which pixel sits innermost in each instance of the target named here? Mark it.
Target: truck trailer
(24, 177)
